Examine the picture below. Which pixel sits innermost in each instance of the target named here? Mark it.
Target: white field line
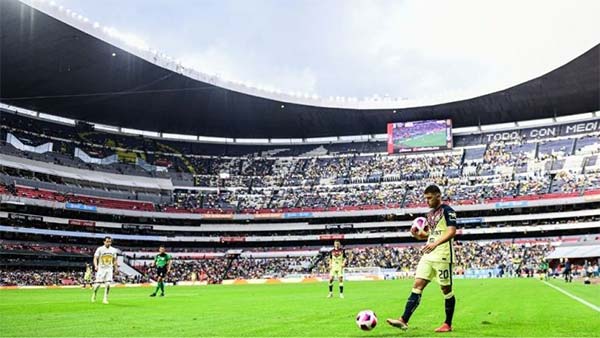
(582, 301)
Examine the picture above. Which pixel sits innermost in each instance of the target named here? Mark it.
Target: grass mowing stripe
(582, 301)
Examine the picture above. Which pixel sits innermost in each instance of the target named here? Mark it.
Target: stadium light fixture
(465, 130)
(180, 137)
(537, 122)
(57, 119)
(575, 117)
(280, 141)
(498, 126)
(104, 127)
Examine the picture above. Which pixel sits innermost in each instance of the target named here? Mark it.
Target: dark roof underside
(49, 66)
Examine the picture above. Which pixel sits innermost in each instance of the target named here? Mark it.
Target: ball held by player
(419, 228)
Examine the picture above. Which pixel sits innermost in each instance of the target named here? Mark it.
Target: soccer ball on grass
(366, 320)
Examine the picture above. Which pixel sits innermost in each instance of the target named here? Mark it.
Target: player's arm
(116, 264)
(96, 257)
(450, 232)
(170, 264)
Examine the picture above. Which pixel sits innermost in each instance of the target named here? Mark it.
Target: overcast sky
(407, 49)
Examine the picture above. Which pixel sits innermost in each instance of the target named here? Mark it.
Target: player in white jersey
(105, 262)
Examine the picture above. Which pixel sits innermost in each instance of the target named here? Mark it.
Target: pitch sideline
(582, 301)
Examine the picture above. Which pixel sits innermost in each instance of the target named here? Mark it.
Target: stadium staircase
(230, 257)
(126, 268)
(319, 151)
(574, 163)
(168, 149)
(404, 197)
(313, 264)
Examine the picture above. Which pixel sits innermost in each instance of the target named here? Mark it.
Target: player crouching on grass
(163, 262)
(436, 262)
(105, 262)
(337, 261)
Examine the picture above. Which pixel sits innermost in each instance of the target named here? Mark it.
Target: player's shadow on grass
(413, 332)
(382, 334)
(123, 305)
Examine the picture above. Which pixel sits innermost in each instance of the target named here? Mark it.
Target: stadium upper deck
(150, 174)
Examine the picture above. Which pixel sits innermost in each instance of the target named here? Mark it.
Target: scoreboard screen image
(406, 137)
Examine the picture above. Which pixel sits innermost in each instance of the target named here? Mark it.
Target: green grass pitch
(431, 140)
(508, 307)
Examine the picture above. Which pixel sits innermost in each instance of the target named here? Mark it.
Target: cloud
(221, 60)
(411, 48)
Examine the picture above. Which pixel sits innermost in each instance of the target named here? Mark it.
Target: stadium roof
(50, 66)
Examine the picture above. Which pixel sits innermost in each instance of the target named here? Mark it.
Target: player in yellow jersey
(87, 277)
(436, 262)
(336, 268)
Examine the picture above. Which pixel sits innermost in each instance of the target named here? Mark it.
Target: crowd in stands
(340, 180)
(35, 193)
(211, 270)
(513, 257)
(6, 246)
(13, 277)
(248, 268)
(509, 258)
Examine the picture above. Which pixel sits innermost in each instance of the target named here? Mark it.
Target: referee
(163, 262)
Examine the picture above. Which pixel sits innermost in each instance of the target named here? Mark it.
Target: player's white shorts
(440, 271)
(104, 275)
(336, 272)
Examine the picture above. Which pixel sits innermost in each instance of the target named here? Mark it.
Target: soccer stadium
(141, 197)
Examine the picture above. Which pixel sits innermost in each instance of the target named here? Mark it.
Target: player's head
(337, 244)
(433, 196)
(161, 249)
(107, 241)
